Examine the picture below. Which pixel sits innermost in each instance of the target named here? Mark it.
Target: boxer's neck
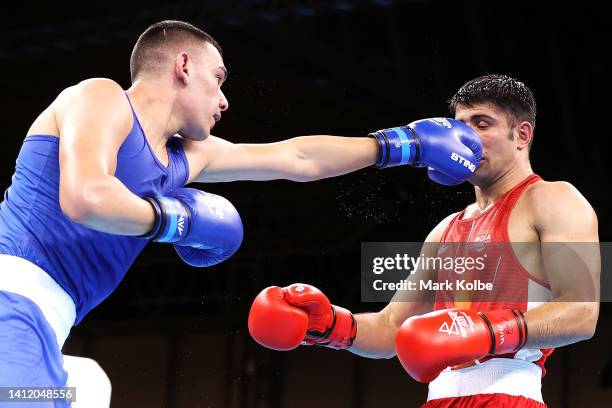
(154, 107)
(487, 195)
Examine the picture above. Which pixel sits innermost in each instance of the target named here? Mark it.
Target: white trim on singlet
(22, 277)
(494, 376)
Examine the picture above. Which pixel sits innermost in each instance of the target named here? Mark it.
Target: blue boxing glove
(205, 228)
(449, 148)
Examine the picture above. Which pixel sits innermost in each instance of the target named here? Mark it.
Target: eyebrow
(482, 116)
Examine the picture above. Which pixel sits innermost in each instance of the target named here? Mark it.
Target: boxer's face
(203, 100)
(498, 135)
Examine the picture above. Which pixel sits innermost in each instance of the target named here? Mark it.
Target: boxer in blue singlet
(102, 172)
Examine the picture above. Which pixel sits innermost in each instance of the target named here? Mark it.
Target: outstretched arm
(448, 148)
(304, 158)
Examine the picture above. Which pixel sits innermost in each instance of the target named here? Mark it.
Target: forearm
(107, 205)
(375, 336)
(330, 156)
(561, 322)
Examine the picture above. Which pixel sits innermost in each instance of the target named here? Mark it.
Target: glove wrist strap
(508, 330)
(172, 219)
(398, 146)
(341, 333)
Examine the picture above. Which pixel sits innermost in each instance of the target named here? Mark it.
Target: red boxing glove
(427, 344)
(283, 318)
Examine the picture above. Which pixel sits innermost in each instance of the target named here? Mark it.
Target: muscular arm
(93, 119)
(568, 231)
(376, 331)
(304, 158)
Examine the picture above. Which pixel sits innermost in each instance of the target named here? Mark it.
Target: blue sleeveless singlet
(87, 264)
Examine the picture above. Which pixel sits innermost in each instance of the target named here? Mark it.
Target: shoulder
(94, 87)
(94, 98)
(202, 146)
(555, 196)
(558, 202)
(436, 233)
(201, 152)
(432, 241)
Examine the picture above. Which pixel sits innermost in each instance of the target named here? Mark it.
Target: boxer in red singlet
(474, 350)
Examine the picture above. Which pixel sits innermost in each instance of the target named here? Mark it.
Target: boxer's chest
(521, 233)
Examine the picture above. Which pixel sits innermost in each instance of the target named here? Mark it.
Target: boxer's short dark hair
(507, 93)
(150, 45)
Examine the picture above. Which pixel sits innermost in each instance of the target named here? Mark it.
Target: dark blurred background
(174, 336)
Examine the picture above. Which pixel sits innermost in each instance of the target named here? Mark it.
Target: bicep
(573, 269)
(217, 160)
(569, 243)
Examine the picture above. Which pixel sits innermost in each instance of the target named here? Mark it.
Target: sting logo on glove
(462, 160)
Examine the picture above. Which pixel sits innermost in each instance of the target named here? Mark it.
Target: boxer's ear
(182, 67)
(524, 135)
